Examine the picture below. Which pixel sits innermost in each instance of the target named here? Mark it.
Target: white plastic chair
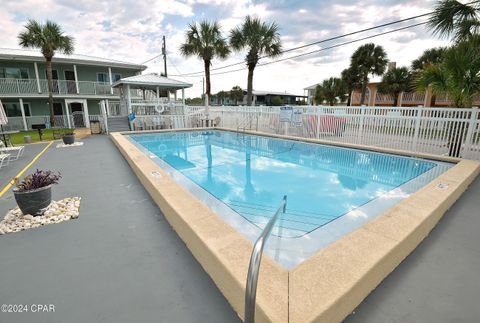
(4, 159)
(14, 152)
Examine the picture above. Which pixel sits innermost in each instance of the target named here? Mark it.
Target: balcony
(60, 87)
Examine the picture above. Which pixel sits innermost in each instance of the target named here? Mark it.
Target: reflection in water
(351, 183)
(251, 174)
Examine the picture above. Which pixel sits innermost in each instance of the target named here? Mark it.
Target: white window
(103, 77)
(116, 77)
(12, 109)
(14, 73)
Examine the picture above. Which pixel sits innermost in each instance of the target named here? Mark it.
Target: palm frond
(451, 18)
(395, 81)
(47, 37)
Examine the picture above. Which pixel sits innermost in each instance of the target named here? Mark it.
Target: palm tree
(205, 41)
(396, 81)
(330, 90)
(221, 97)
(236, 93)
(368, 59)
(260, 39)
(429, 57)
(319, 96)
(351, 78)
(453, 18)
(458, 75)
(49, 38)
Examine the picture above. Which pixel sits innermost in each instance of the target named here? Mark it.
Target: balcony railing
(63, 87)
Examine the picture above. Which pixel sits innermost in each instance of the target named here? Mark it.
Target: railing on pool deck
(255, 260)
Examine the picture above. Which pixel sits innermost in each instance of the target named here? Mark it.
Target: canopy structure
(152, 82)
(149, 84)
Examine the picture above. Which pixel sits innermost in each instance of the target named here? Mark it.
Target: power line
(317, 42)
(179, 73)
(311, 44)
(321, 49)
(321, 41)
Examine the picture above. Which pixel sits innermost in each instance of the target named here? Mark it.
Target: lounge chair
(14, 152)
(4, 159)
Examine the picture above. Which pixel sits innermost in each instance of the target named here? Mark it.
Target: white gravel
(56, 212)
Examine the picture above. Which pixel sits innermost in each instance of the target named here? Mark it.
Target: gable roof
(311, 87)
(152, 80)
(36, 56)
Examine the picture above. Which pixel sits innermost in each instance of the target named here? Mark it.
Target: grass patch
(47, 135)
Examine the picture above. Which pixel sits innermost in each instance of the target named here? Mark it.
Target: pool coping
(331, 283)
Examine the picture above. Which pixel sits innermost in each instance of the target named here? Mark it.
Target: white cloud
(132, 30)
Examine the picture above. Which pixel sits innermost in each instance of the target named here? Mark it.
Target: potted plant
(68, 137)
(34, 193)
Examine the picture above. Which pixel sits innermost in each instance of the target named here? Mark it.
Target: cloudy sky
(131, 30)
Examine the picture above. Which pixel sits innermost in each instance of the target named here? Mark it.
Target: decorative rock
(15, 221)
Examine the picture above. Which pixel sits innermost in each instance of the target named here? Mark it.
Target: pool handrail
(254, 266)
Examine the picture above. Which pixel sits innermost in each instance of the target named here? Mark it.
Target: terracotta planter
(33, 202)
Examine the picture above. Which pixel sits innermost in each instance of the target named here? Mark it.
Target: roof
(36, 56)
(255, 92)
(311, 87)
(152, 80)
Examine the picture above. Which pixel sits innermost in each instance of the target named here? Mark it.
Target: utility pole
(164, 53)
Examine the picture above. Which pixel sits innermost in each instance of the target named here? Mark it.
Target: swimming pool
(331, 191)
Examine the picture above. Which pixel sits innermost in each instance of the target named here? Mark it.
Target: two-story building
(259, 98)
(80, 82)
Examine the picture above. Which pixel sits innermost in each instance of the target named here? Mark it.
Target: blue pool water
(244, 177)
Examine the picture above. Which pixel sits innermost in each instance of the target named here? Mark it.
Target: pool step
(296, 220)
(118, 124)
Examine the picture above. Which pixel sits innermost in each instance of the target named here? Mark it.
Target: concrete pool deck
(122, 262)
(331, 283)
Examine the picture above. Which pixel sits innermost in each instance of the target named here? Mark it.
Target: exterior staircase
(119, 123)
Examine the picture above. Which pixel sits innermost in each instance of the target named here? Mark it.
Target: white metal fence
(16, 123)
(444, 131)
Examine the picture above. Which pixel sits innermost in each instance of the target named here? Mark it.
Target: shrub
(39, 179)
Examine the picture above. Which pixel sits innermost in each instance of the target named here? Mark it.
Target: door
(58, 114)
(57, 109)
(70, 80)
(77, 113)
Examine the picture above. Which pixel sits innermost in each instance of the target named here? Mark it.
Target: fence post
(470, 131)
(362, 120)
(416, 134)
(103, 109)
(318, 122)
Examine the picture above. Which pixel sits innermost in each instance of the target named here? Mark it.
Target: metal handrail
(254, 267)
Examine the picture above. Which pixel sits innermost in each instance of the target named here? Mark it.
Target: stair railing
(254, 266)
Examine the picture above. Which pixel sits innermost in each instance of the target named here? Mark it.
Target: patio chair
(4, 159)
(138, 125)
(168, 123)
(14, 152)
(194, 121)
(149, 124)
(216, 121)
